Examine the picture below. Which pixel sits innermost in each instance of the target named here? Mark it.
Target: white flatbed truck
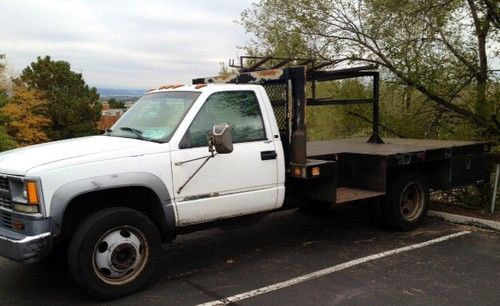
(183, 158)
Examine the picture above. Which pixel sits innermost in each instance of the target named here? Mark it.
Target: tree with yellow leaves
(25, 110)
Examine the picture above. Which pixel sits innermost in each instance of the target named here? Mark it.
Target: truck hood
(20, 161)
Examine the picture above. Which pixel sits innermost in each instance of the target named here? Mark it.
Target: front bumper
(24, 249)
(28, 247)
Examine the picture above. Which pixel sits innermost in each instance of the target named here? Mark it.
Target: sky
(124, 44)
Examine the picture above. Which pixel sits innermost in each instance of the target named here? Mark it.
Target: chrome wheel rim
(120, 255)
(412, 202)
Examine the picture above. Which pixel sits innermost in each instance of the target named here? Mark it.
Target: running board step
(346, 194)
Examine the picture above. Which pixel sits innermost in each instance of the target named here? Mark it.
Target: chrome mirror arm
(212, 155)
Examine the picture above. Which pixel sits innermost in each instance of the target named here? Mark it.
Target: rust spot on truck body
(254, 77)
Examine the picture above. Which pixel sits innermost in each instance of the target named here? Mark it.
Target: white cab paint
(241, 183)
(232, 184)
(20, 161)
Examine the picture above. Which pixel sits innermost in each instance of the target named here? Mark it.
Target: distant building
(109, 116)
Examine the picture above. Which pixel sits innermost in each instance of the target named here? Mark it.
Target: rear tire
(406, 202)
(114, 253)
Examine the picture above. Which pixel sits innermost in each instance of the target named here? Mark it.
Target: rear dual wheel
(406, 202)
(114, 252)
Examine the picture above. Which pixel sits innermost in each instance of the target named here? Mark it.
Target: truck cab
(248, 180)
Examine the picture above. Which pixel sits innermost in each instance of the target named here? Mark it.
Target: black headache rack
(286, 88)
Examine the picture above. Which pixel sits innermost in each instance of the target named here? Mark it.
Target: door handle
(267, 155)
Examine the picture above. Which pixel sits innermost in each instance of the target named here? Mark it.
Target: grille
(7, 220)
(277, 93)
(4, 183)
(4, 202)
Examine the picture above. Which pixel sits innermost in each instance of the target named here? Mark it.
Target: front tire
(114, 252)
(406, 202)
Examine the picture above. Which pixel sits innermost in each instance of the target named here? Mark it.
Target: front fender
(67, 192)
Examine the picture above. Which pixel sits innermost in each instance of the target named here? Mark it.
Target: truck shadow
(210, 249)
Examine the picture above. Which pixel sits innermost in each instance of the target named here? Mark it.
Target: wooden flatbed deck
(392, 146)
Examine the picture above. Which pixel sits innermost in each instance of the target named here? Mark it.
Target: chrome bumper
(25, 249)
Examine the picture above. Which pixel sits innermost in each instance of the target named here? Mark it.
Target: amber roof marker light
(198, 86)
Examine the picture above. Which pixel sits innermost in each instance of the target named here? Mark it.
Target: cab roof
(202, 87)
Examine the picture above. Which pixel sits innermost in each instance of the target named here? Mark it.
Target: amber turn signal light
(315, 171)
(32, 193)
(297, 171)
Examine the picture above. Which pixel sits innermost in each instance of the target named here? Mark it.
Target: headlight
(26, 196)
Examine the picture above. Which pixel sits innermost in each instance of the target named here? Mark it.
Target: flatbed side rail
(356, 72)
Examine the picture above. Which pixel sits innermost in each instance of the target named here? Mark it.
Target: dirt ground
(470, 212)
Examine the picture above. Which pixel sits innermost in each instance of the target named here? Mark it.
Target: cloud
(124, 43)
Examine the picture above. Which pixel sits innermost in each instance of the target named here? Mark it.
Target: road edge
(460, 219)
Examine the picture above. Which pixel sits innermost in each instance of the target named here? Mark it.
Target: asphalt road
(213, 265)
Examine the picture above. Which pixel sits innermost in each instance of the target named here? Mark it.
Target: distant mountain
(114, 92)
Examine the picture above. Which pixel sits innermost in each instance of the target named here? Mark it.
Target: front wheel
(114, 252)
(406, 202)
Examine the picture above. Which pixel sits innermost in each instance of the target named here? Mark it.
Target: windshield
(155, 116)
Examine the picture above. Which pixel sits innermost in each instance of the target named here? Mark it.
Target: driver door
(238, 183)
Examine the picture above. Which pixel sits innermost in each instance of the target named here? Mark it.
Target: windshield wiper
(137, 132)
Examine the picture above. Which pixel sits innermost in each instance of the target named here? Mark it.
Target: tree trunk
(481, 28)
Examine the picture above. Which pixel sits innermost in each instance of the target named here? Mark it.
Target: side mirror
(221, 139)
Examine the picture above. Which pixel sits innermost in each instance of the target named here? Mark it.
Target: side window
(239, 109)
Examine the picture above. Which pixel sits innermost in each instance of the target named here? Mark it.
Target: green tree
(73, 106)
(113, 103)
(6, 141)
(440, 48)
